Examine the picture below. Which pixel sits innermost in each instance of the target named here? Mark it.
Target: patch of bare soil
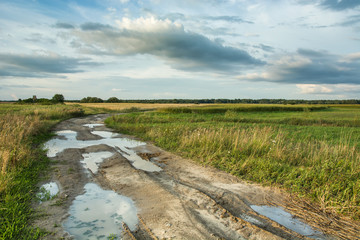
(183, 201)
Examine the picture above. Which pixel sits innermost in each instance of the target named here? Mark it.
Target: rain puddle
(48, 191)
(122, 145)
(284, 218)
(92, 160)
(92, 125)
(98, 214)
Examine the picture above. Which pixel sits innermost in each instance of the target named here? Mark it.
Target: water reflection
(99, 213)
(284, 218)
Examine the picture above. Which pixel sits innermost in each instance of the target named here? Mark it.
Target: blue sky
(293, 49)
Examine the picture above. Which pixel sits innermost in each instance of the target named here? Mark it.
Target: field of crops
(310, 151)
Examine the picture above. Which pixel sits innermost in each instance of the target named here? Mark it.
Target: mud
(182, 200)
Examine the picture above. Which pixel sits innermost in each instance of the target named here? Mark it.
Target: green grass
(23, 128)
(313, 152)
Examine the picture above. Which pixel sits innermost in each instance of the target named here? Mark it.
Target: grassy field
(129, 106)
(22, 129)
(310, 151)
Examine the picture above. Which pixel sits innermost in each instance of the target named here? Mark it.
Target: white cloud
(13, 95)
(117, 90)
(351, 57)
(314, 89)
(150, 24)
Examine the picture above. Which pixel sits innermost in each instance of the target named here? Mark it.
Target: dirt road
(176, 199)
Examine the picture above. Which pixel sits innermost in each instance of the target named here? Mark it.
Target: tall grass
(242, 108)
(22, 128)
(326, 170)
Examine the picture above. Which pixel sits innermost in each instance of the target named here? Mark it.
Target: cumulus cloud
(45, 65)
(310, 67)
(166, 40)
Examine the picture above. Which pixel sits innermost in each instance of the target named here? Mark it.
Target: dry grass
(15, 130)
(123, 106)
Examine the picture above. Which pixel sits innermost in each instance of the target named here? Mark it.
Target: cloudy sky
(157, 49)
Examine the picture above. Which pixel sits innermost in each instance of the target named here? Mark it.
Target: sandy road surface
(182, 201)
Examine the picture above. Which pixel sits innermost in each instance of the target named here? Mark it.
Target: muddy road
(112, 186)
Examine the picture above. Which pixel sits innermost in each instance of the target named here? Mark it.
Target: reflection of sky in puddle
(122, 145)
(105, 134)
(99, 213)
(286, 219)
(93, 159)
(92, 125)
(49, 188)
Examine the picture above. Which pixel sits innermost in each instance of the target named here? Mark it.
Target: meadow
(311, 151)
(22, 162)
(128, 107)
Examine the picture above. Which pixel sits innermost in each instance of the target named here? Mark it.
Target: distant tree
(113, 100)
(58, 98)
(91, 100)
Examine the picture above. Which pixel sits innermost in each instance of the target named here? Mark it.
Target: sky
(188, 49)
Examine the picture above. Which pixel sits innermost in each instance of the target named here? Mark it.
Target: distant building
(34, 98)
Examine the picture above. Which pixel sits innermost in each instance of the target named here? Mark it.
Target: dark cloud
(311, 67)
(90, 26)
(64, 25)
(340, 5)
(181, 49)
(39, 65)
(231, 19)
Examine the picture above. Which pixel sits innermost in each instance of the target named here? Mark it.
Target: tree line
(57, 98)
(200, 101)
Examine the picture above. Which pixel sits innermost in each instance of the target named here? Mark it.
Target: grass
(312, 152)
(22, 130)
(124, 106)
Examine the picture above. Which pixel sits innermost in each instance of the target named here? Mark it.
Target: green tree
(58, 98)
(113, 100)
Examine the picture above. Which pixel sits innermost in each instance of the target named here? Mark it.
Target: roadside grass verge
(310, 157)
(23, 128)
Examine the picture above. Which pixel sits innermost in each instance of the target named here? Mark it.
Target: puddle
(251, 220)
(99, 214)
(48, 191)
(92, 125)
(105, 134)
(122, 145)
(284, 218)
(93, 159)
(140, 163)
